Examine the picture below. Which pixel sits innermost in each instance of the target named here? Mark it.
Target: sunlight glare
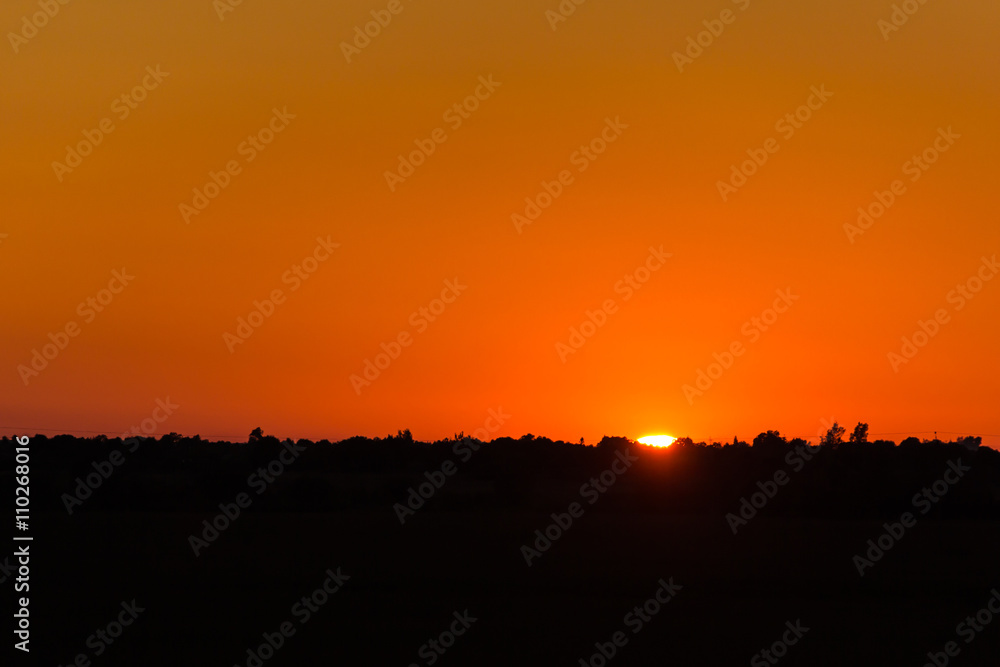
(657, 440)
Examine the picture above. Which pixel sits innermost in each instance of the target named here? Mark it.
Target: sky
(640, 218)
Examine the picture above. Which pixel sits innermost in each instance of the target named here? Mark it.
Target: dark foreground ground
(663, 518)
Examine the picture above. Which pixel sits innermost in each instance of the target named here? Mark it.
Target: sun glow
(657, 440)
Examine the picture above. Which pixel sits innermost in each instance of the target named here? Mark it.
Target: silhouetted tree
(256, 434)
(860, 433)
(770, 441)
(170, 438)
(835, 435)
(614, 442)
(971, 442)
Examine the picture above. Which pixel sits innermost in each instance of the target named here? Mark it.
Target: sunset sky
(552, 94)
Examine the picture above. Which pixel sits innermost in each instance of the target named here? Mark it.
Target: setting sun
(657, 440)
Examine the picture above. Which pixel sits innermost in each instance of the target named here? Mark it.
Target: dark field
(662, 519)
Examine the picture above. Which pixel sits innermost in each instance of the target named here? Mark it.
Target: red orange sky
(607, 72)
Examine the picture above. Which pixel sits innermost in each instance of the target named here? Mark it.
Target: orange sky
(552, 91)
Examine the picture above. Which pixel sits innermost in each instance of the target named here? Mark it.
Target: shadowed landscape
(549, 546)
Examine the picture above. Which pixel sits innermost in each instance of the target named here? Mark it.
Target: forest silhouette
(548, 544)
(836, 477)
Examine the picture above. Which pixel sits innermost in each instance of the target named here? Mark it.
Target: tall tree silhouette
(835, 435)
(860, 433)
